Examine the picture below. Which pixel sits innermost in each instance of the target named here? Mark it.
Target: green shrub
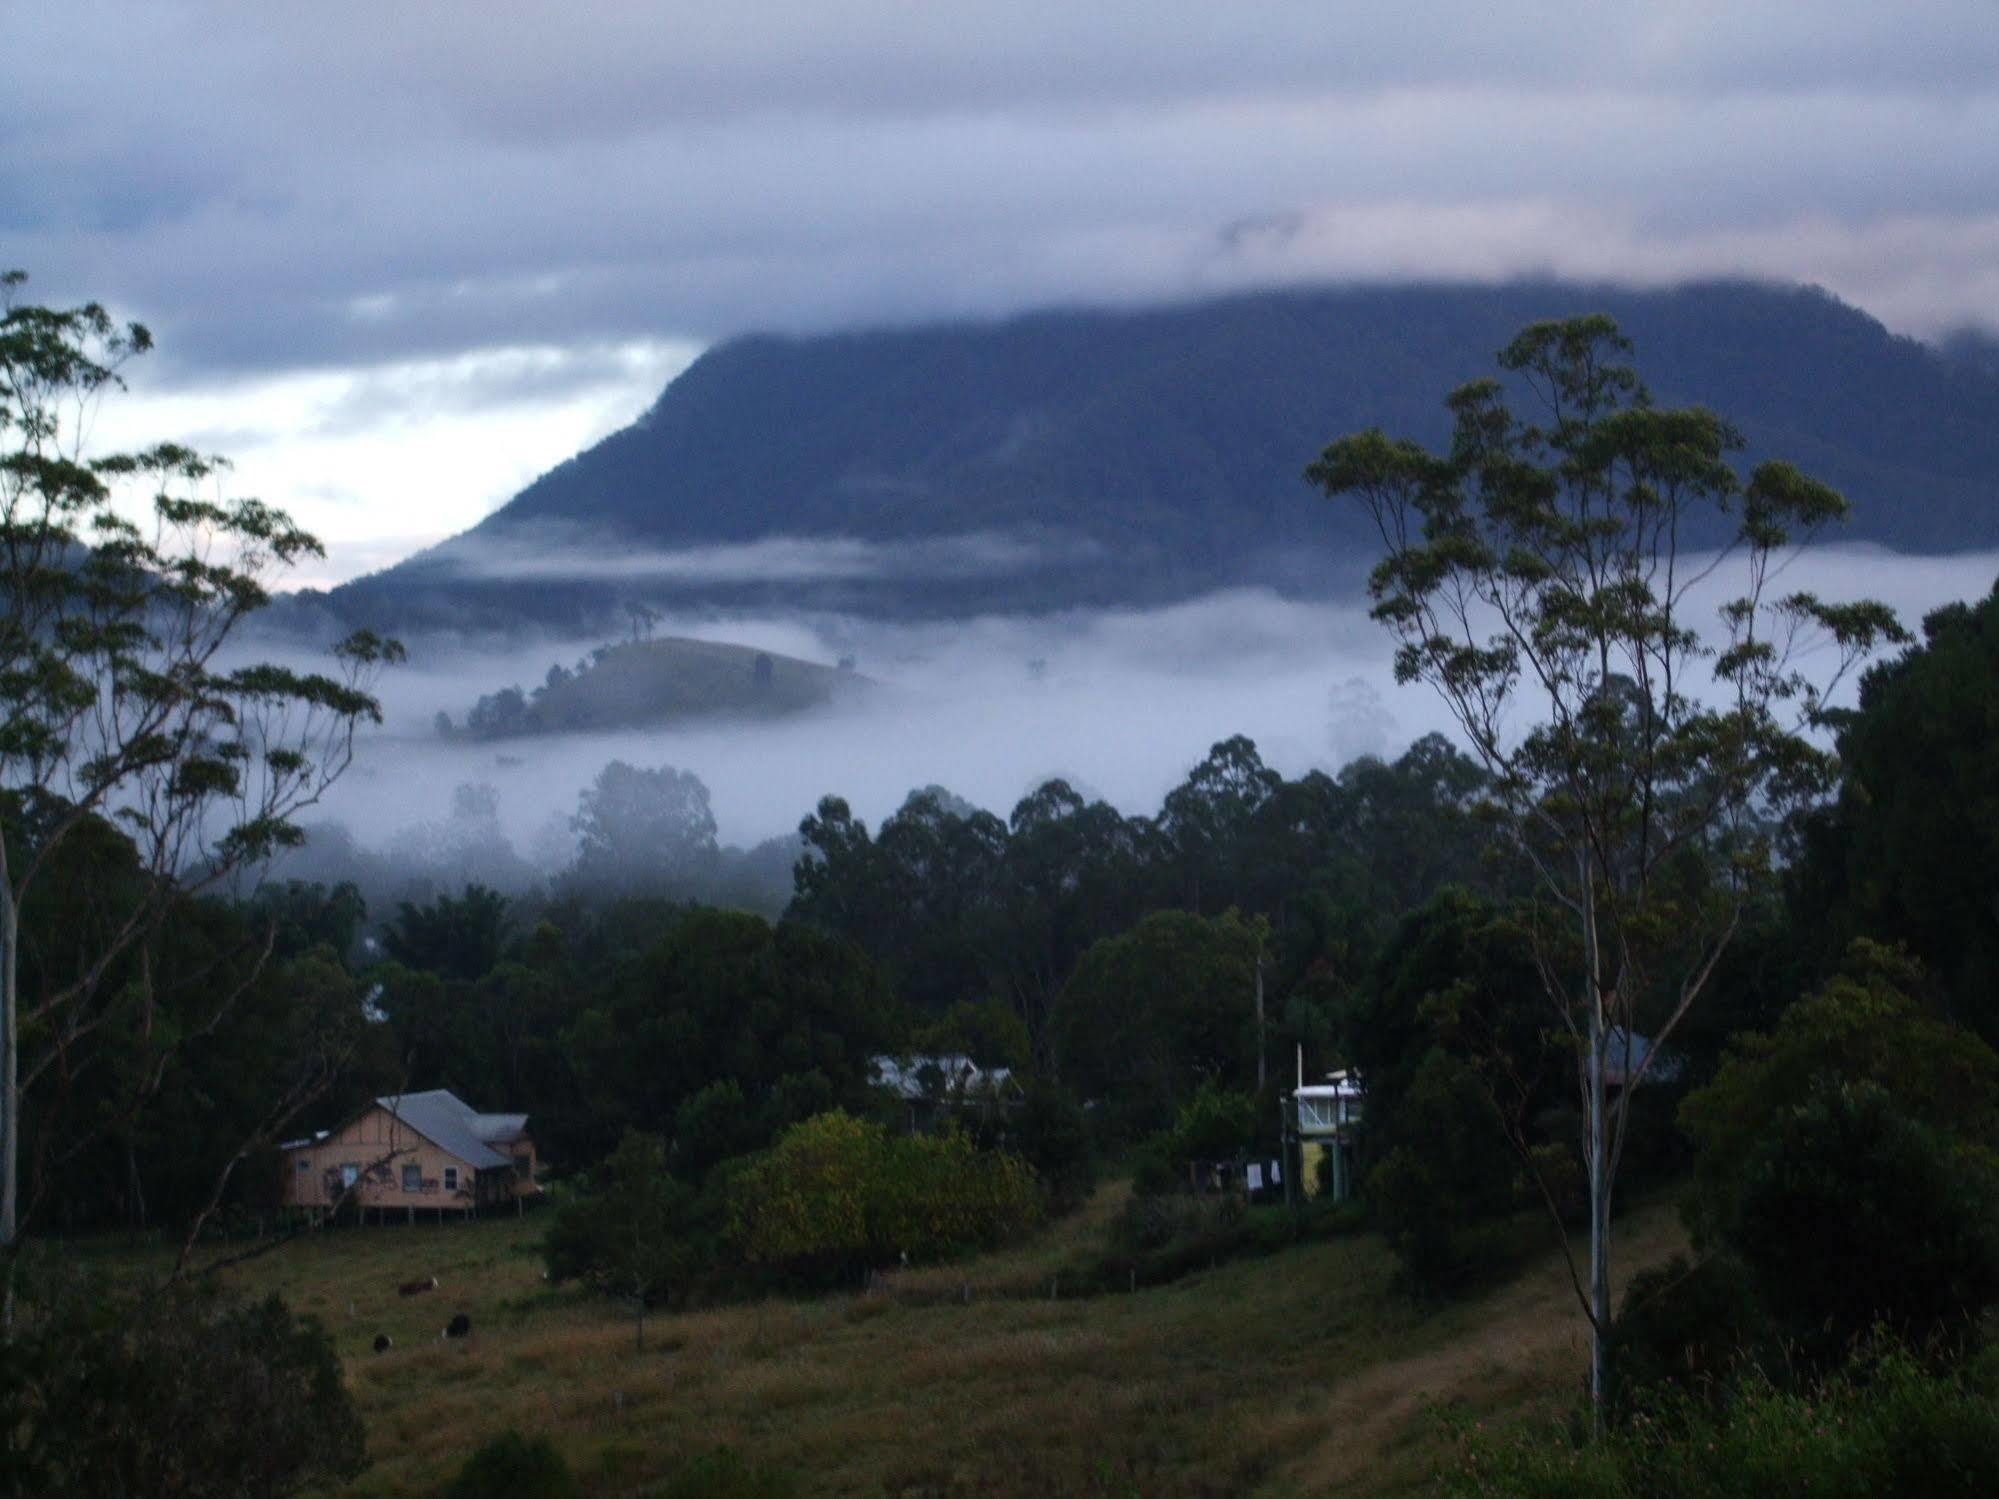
(1215, 1124)
(1146, 1224)
(1153, 1172)
(1886, 1428)
(512, 1466)
(1860, 1028)
(837, 1192)
(1854, 1214)
(725, 1474)
(1687, 1330)
(176, 1391)
(1449, 1172)
(1053, 1137)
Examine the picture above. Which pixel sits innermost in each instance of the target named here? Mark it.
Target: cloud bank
(519, 191)
(1122, 701)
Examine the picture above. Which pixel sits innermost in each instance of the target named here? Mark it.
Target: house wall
(520, 1145)
(366, 1142)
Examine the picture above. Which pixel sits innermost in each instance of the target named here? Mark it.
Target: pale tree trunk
(10, 1062)
(1596, 1154)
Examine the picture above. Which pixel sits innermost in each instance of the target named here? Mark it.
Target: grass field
(1303, 1373)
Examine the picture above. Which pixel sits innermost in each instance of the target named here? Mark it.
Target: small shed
(409, 1151)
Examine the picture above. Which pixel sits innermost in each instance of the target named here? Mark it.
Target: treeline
(1118, 954)
(614, 1004)
(635, 831)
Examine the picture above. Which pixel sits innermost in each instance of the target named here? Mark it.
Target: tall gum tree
(1542, 568)
(123, 578)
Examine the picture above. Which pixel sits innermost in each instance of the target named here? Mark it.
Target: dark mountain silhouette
(1130, 456)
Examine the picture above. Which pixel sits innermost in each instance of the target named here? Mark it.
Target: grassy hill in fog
(646, 682)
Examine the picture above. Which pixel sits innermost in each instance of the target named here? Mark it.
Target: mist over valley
(1119, 702)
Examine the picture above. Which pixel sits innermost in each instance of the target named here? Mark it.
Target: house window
(451, 1178)
(350, 1173)
(304, 1164)
(524, 1167)
(412, 1178)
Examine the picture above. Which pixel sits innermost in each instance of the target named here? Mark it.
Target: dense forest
(1110, 957)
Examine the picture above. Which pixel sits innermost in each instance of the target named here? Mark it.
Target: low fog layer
(1121, 703)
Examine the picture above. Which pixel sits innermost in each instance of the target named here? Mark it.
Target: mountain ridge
(1137, 455)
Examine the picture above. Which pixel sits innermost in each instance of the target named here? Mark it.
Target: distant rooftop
(919, 1077)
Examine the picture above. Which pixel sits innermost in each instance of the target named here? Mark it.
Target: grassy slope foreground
(1302, 1373)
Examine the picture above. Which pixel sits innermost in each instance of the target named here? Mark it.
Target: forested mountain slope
(1100, 456)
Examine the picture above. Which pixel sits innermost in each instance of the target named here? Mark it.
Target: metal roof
(1624, 1054)
(450, 1123)
(491, 1127)
(1341, 1084)
(953, 1074)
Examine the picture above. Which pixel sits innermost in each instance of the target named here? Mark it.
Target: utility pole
(1259, 1020)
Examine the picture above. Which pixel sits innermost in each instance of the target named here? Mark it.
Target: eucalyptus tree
(1206, 821)
(1545, 567)
(124, 578)
(642, 831)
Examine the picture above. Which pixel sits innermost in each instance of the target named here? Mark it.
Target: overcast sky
(401, 258)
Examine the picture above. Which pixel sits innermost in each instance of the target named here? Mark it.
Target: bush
(837, 1193)
(1153, 1173)
(724, 1474)
(1054, 1138)
(1854, 1214)
(1146, 1224)
(1885, 1429)
(1860, 1028)
(1449, 1173)
(1687, 1331)
(1217, 1123)
(515, 1467)
(170, 1391)
(634, 1232)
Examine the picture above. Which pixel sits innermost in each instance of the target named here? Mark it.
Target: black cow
(459, 1326)
(383, 1342)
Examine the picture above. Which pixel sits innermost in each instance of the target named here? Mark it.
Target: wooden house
(413, 1151)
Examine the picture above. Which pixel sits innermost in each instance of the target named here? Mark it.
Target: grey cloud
(502, 377)
(289, 187)
(549, 557)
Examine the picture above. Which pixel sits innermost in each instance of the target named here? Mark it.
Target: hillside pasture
(1304, 1372)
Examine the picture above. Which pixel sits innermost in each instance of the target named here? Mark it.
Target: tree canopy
(1540, 569)
(122, 580)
